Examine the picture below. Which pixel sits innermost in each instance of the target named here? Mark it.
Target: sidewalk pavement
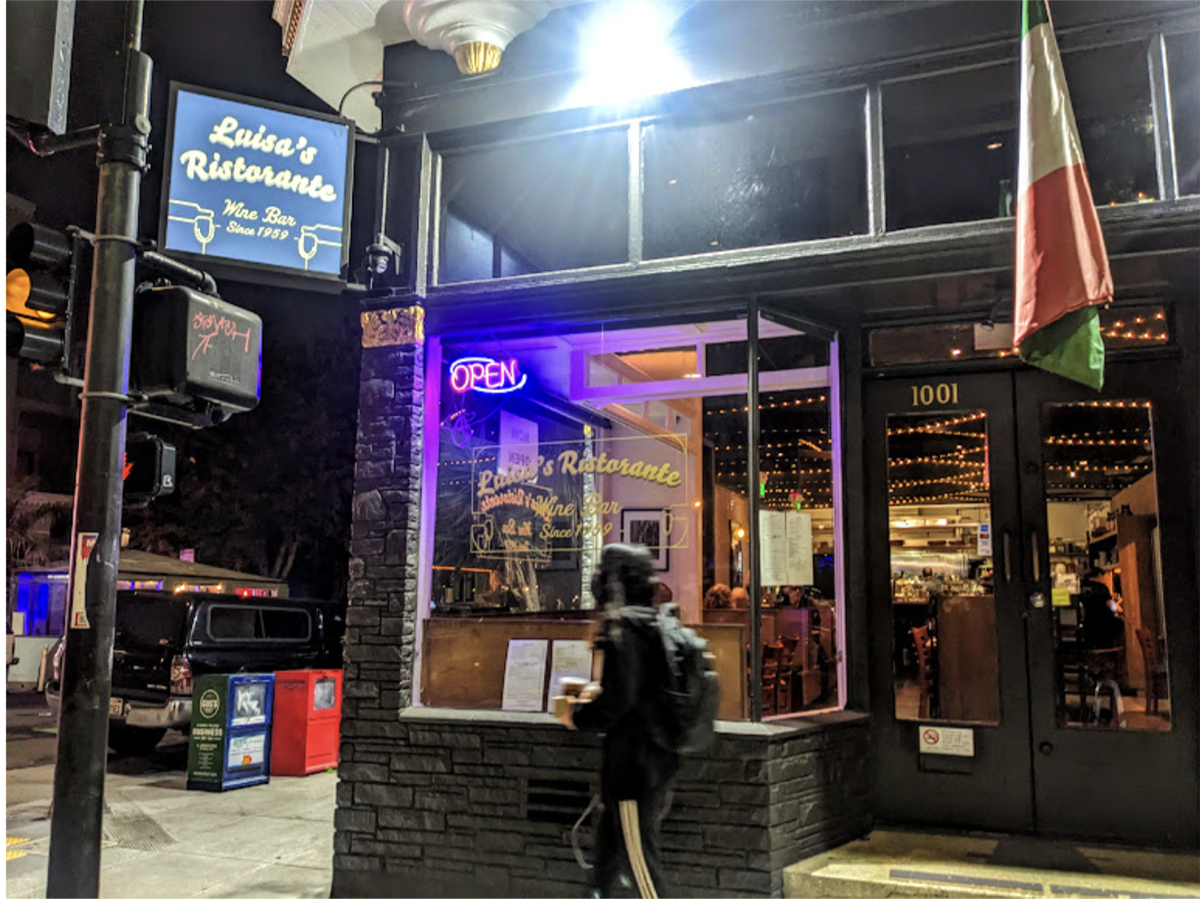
(926, 864)
(161, 839)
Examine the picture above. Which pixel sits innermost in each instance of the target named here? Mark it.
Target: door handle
(1034, 545)
(1007, 550)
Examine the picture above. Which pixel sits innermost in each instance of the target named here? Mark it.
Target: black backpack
(693, 688)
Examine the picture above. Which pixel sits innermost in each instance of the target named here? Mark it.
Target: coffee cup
(572, 686)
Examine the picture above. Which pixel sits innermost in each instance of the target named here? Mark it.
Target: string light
(1085, 465)
(469, 461)
(1071, 441)
(782, 404)
(732, 447)
(926, 500)
(939, 426)
(971, 478)
(954, 458)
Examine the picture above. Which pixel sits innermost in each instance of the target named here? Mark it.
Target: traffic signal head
(40, 293)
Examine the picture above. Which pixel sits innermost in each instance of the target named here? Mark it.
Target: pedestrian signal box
(190, 346)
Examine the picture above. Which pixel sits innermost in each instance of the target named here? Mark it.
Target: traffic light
(149, 470)
(40, 288)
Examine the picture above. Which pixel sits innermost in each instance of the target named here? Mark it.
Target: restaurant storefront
(762, 326)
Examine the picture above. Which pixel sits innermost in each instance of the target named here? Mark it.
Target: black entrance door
(1033, 604)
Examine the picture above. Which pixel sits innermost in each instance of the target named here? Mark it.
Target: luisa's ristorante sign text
(516, 518)
(257, 184)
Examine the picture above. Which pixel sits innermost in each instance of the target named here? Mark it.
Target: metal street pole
(78, 811)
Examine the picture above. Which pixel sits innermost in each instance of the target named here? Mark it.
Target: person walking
(630, 706)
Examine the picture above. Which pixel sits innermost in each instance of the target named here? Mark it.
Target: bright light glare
(627, 54)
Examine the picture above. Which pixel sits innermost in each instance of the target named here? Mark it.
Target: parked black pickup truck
(164, 640)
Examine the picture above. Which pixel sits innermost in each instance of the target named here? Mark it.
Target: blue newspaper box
(230, 742)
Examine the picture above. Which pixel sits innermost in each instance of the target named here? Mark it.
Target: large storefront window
(548, 448)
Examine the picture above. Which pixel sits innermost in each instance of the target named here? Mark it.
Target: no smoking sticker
(947, 741)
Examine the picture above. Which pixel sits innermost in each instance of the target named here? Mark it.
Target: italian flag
(1062, 268)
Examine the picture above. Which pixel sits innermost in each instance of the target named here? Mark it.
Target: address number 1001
(935, 394)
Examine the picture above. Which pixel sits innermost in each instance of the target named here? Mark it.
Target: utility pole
(77, 824)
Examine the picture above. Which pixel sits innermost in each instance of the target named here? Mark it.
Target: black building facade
(761, 323)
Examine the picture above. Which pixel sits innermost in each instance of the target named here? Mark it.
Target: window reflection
(955, 160)
(1121, 328)
(1183, 63)
(779, 174)
(1110, 91)
(538, 206)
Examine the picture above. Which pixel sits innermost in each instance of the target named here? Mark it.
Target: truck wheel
(126, 740)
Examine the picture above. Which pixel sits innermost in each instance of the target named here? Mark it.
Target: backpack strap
(580, 860)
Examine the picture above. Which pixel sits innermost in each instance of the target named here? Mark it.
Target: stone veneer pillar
(381, 619)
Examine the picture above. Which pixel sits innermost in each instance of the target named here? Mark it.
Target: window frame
(792, 379)
(870, 80)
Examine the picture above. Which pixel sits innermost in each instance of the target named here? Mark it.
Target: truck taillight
(181, 675)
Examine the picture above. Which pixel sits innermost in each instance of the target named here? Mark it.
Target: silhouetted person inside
(664, 595)
(634, 712)
(1102, 627)
(718, 597)
(502, 595)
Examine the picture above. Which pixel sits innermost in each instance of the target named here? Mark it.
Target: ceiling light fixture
(627, 54)
(475, 33)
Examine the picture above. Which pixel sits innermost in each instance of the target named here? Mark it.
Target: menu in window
(785, 542)
(568, 658)
(525, 676)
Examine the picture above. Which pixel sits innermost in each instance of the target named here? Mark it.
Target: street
(161, 839)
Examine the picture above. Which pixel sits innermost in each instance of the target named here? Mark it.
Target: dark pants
(627, 847)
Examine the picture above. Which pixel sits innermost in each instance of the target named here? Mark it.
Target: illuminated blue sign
(252, 183)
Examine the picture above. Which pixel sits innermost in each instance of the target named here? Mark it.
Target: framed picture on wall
(648, 527)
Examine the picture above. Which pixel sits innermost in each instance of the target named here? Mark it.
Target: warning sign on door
(84, 545)
(947, 740)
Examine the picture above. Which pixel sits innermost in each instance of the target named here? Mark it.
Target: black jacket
(633, 709)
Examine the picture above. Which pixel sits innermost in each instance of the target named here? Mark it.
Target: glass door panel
(1109, 626)
(1110, 601)
(951, 721)
(944, 654)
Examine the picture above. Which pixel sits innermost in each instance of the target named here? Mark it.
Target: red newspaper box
(308, 717)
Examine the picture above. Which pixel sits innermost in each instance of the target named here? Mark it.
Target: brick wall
(481, 804)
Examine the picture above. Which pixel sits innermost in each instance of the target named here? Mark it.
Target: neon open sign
(484, 375)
